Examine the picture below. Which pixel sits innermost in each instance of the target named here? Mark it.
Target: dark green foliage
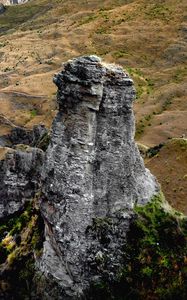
(99, 290)
(14, 224)
(156, 253)
(154, 150)
(21, 239)
(155, 258)
(3, 254)
(33, 113)
(43, 143)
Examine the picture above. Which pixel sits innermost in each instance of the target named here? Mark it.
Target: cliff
(93, 171)
(87, 220)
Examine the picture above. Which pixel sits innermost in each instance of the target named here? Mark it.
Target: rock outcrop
(20, 135)
(93, 176)
(2, 8)
(20, 171)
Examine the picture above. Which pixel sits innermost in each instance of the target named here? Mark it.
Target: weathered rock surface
(13, 2)
(21, 135)
(92, 177)
(2, 8)
(20, 171)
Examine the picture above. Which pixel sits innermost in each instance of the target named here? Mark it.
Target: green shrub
(154, 257)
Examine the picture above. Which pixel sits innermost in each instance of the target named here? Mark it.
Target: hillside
(148, 38)
(169, 166)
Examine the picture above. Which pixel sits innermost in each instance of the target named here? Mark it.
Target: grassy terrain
(169, 165)
(148, 38)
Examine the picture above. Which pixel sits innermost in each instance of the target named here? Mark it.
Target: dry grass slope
(170, 167)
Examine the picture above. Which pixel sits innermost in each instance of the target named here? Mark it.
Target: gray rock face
(20, 171)
(18, 1)
(13, 2)
(2, 8)
(93, 174)
(21, 135)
